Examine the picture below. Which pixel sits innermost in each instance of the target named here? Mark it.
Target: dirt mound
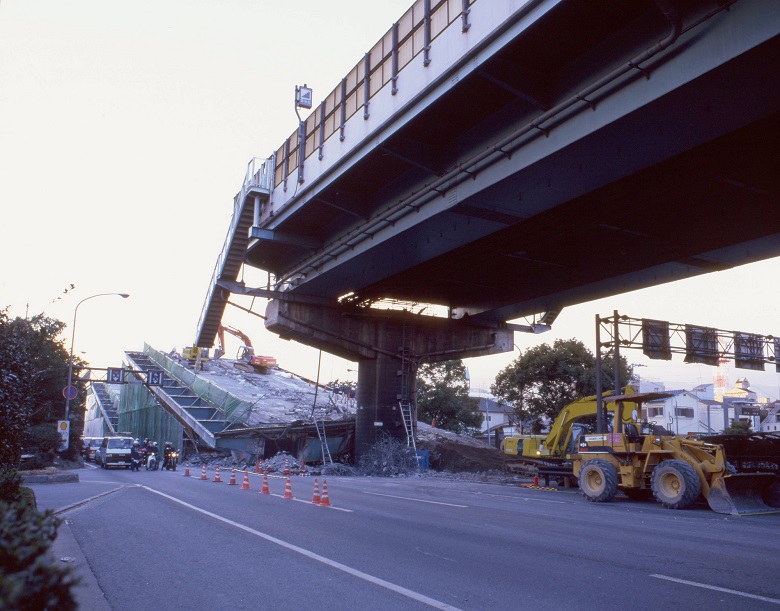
(453, 452)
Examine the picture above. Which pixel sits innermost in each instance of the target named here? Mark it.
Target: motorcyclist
(152, 450)
(135, 456)
(168, 458)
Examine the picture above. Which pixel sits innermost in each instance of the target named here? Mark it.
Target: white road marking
(281, 496)
(97, 496)
(695, 584)
(316, 557)
(406, 498)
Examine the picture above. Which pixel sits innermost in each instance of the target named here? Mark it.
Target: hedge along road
(407, 543)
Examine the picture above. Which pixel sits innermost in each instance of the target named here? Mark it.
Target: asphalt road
(405, 543)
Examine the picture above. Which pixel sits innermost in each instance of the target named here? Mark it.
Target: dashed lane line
(766, 599)
(437, 604)
(407, 498)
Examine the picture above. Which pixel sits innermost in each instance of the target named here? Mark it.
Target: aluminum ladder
(406, 414)
(320, 426)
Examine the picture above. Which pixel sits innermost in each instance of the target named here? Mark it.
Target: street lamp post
(72, 338)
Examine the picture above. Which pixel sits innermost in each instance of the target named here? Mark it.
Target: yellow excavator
(643, 460)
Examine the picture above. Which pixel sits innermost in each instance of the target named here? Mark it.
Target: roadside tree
(542, 381)
(443, 397)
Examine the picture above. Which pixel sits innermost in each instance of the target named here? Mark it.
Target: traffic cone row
(322, 500)
(187, 469)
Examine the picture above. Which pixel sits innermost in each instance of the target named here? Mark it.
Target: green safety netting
(236, 410)
(140, 414)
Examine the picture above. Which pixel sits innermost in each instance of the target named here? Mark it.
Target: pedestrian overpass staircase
(106, 405)
(200, 418)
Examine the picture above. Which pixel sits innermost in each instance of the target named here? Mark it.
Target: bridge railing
(258, 176)
(410, 36)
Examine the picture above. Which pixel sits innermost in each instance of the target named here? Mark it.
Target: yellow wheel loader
(677, 471)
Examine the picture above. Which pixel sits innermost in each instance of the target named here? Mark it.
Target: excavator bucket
(745, 494)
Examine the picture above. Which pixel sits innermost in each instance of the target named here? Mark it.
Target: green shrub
(43, 438)
(28, 577)
(10, 485)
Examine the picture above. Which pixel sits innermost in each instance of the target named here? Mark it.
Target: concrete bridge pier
(381, 387)
(388, 345)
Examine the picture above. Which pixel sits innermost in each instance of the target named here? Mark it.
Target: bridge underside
(589, 149)
(673, 186)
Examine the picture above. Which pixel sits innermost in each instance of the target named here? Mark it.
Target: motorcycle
(152, 464)
(170, 461)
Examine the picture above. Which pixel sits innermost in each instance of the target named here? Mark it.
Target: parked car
(91, 447)
(115, 452)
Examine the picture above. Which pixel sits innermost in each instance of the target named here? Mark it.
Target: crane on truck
(640, 459)
(246, 359)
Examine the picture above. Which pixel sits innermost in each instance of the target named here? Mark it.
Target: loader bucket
(745, 494)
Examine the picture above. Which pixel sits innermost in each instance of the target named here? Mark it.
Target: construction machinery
(677, 471)
(547, 455)
(638, 458)
(246, 359)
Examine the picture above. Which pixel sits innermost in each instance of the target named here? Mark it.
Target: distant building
(679, 413)
(771, 422)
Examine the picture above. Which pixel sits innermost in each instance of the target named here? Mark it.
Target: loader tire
(598, 480)
(675, 484)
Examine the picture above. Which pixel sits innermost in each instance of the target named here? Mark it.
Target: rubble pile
(388, 458)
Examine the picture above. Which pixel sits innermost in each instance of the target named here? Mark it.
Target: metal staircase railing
(231, 258)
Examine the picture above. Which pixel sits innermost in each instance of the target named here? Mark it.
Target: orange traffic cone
(325, 500)
(286, 471)
(217, 478)
(232, 481)
(536, 480)
(245, 485)
(257, 467)
(187, 469)
(287, 489)
(302, 472)
(203, 473)
(265, 489)
(316, 498)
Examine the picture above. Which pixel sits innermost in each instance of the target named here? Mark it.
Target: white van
(115, 452)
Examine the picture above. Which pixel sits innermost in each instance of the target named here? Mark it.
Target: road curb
(66, 552)
(54, 478)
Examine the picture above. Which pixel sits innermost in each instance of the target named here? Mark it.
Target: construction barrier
(288, 489)
(316, 497)
(325, 500)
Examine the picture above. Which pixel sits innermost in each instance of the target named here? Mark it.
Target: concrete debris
(453, 452)
(279, 396)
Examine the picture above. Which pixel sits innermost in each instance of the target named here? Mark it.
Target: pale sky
(125, 130)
